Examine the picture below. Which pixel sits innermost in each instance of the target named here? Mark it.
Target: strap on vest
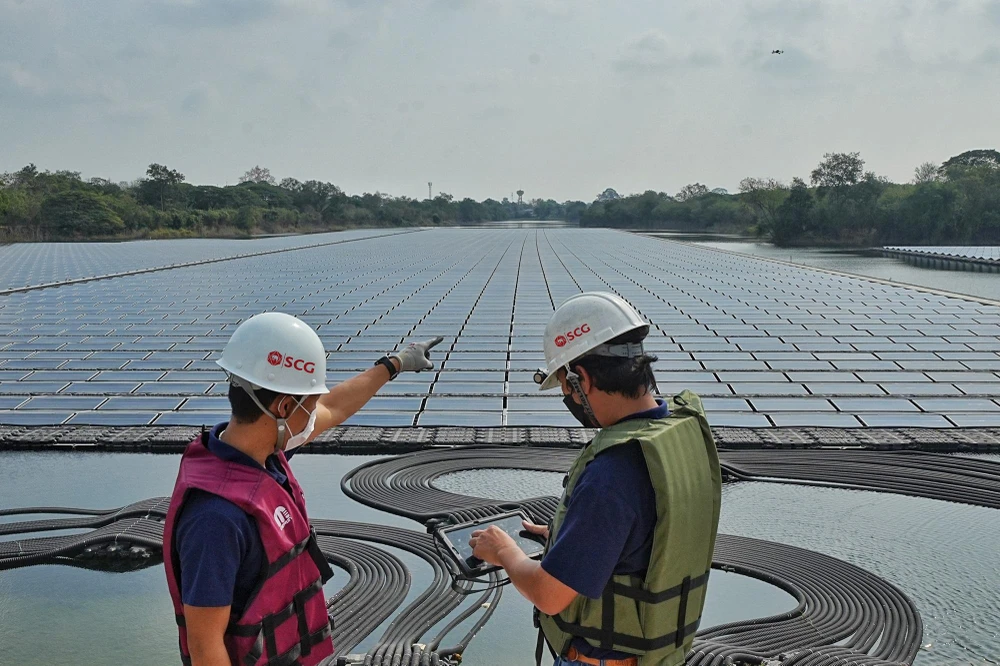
(284, 560)
(308, 544)
(682, 607)
(608, 638)
(325, 570)
(542, 642)
(292, 655)
(642, 645)
(256, 651)
(248, 630)
(608, 616)
(264, 631)
(298, 601)
(645, 596)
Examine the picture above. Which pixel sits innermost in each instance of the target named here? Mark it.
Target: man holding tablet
(625, 570)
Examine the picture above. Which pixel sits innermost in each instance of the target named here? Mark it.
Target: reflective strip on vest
(654, 617)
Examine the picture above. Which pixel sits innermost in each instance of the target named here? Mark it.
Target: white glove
(416, 356)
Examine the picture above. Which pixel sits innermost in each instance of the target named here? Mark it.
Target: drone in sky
(777, 52)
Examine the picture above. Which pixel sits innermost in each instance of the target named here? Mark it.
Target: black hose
(844, 614)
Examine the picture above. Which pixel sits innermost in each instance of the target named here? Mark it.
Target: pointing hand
(417, 355)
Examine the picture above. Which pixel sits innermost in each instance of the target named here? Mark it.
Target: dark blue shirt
(609, 524)
(218, 545)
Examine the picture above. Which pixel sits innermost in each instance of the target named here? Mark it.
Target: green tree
(258, 174)
(470, 210)
(248, 218)
(793, 215)
(954, 166)
(79, 214)
(574, 210)
(692, 191)
(160, 185)
(838, 170)
(762, 197)
(928, 172)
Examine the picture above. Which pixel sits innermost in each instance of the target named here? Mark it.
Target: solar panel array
(963, 251)
(26, 264)
(765, 344)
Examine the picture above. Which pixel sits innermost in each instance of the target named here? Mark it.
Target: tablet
(456, 539)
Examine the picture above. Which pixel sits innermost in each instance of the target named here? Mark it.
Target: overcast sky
(561, 98)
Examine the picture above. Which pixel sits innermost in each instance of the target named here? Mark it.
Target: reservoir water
(941, 554)
(984, 285)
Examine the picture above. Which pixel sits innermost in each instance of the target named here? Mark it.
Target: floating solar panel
(803, 346)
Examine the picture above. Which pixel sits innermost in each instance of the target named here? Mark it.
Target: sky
(561, 98)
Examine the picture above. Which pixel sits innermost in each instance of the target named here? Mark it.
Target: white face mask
(295, 441)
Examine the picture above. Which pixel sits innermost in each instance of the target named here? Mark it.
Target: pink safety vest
(285, 621)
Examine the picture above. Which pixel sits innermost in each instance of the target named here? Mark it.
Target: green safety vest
(656, 616)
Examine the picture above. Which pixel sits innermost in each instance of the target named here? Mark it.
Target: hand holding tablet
(456, 540)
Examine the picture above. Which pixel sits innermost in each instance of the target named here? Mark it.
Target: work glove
(417, 355)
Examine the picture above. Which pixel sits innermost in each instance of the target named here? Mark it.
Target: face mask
(578, 411)
(295, 441)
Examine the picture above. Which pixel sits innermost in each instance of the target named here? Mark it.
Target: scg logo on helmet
(276, 358)
(577, 332)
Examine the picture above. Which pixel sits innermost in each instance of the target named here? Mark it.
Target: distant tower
(520, 201)
(429, 194)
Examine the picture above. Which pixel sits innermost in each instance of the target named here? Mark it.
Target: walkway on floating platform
(974, 259)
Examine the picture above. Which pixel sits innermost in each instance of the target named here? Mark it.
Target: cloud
(21, 79)
(24, 89)
(953, 61)
(653, 53)
(215, 13)
(990, 56)
(493, 112)
(783, 12)
(557, 9)
(201, 98)
(992, 11)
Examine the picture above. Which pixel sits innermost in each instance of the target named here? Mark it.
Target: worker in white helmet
(243, 568)
(623, 578)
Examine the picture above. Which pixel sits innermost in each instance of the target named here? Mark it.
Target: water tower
(520, 200)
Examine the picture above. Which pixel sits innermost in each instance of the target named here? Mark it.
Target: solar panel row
(767, 344)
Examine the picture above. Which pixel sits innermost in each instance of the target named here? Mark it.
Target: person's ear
(276, 407)
(586, 381)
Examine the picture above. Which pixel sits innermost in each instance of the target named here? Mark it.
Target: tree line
(954, 203)
(957, 202)
(60, 205)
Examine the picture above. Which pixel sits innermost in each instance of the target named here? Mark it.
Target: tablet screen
(459, 537)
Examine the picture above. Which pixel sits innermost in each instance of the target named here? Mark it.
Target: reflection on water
(521, 224)
(941, 554)
(984, 285)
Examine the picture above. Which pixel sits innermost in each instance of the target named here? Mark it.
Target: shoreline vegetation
(842, 205)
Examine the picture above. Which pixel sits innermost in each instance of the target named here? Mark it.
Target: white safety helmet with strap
(582, 326)
(277, 352)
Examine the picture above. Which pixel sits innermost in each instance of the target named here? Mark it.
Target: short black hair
(245, 410)
(630, 377)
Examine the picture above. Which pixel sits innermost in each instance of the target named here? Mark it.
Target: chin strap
(574, 381)
(251, 391)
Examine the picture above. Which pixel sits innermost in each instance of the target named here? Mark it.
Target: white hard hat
(583, 325)
(277, 352)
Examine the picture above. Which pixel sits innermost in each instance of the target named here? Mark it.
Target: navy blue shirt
(219, 548)
(609, 524)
